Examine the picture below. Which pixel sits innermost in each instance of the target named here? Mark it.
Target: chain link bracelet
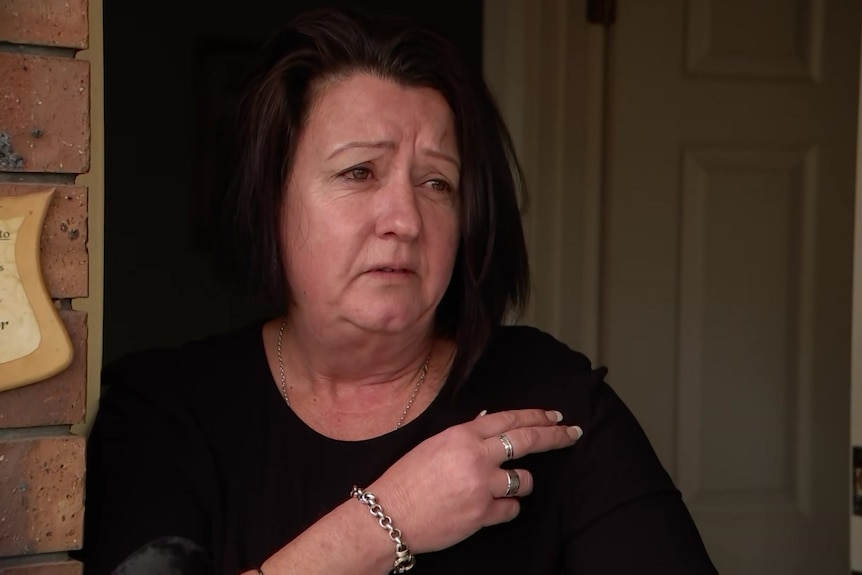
(404, 560)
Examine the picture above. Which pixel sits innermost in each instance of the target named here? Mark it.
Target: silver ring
(514, 483)
(507, 444)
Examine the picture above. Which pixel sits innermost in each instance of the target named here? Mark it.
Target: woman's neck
(356, 388)
(350, 356)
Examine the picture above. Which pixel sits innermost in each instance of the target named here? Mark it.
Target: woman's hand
(451, 485)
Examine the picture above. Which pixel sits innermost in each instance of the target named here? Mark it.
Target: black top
(196, 447)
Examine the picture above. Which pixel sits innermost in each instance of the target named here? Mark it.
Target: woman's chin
(388, 322)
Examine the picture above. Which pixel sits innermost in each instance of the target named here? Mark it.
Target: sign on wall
(34, 344)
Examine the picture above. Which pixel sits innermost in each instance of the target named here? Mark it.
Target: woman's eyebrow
(390, 145)
(443, 156)
(381, 144)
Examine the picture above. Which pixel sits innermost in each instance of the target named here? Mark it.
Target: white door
(725, 293)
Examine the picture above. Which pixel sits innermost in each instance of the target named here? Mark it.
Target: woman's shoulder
(168, 373)
(534, 349)
(533, 369)
(525, 365)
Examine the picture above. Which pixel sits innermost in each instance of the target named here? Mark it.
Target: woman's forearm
(346, 541)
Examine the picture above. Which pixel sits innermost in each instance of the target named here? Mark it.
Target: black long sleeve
(196, 445)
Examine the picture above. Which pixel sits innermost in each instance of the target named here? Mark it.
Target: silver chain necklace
(422, 373)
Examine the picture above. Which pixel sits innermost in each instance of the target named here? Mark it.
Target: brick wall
(45, 142)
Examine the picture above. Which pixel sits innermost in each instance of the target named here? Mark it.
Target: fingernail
(554, 416)
(482, 413)
(575, 432)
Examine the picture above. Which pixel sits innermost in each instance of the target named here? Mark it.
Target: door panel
(744, 302)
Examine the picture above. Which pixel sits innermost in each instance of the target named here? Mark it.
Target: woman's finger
(502, 511)
(511, 483)
(526, 440)
(493, 424)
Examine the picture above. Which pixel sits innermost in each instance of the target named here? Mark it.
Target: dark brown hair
(491, 275)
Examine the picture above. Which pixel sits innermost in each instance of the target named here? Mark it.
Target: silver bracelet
(404, 560)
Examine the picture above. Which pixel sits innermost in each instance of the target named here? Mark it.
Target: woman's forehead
(367, 108)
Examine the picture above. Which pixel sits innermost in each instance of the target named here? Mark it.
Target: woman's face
(370, 223)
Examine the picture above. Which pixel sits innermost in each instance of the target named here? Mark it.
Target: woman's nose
(398, 210)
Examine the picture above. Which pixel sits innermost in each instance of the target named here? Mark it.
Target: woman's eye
(358, 173)
(439, 185)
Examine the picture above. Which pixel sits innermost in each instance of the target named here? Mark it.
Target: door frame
(856, 340)
(544, 51)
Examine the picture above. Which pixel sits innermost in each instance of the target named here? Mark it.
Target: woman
(386, 422)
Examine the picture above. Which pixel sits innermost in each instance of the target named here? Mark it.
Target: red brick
(52, 568)
(44, 114)
(61, 23)
(64, 238)
(60, 400)
(42, 482)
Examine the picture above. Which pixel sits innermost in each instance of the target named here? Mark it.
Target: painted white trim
(95, 181)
